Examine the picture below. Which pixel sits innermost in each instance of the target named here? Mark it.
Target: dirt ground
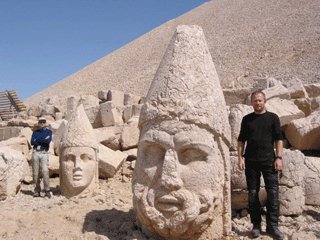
(106, 215)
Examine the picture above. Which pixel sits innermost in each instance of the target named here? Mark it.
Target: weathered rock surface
(312, 180)
(13, 168)
(304, 133)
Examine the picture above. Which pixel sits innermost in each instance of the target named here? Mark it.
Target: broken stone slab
(127, 113)
(109, 161)
(110, 114)
(132, 154)
(285, 109)
(304, 104)
(313, 90)
(53, 165)
(236, 96)
(9, 132)
(291, 190)
(13, 169)
(94, 116)
(237, 112)
(296, 88)
(304, 133)
(19, 144)
(129, 137)
(103, 95)
(116, 97)
(131, 99)
(312, 180)
(58, 129)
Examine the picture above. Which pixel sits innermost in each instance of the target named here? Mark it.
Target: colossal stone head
(181, 182)
(78, 156)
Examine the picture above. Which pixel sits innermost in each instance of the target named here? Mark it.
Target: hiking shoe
(275, 233)
(255, 232)
(48, 194)
(36, 194)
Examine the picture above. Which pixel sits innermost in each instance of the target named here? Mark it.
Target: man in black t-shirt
(260, 130)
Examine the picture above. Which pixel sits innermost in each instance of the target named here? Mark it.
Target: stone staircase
(10, 104)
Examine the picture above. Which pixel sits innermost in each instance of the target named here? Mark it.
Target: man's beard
(180, 213)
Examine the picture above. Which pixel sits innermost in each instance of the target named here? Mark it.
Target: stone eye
(190, 155)
(152, 155)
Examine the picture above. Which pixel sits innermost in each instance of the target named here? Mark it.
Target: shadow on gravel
(111, 223)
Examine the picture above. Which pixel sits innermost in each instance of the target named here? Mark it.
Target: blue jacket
(41, 139)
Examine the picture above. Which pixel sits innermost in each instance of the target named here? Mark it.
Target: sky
(43, 41)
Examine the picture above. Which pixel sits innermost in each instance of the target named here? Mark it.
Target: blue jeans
(40, 162)
(270, 175)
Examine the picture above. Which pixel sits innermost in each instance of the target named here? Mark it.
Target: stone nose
(78, 163)
(170, 177)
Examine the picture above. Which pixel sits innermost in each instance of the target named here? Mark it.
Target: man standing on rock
(260, 130)
(40, 140)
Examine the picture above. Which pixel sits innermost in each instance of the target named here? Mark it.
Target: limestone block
(313, 90)
(236, 96)
(136, 109)
(110, 115)
(291, 193)
(132, 154)
(278, 90)
(304, 104)
(59, 115)
(129, 137)
(88, 101)
(312, 180)
(105, 135)
(27, 134)
(238, 178)
(53, 165)
(237, 112)
(94, 116)
(296, 88)
(9, 132)
(304, 133)
(291, 202)
(109, 161)
(130, 99)
(22, 122)
(315, 104)
(58, 128)
(285, 109)
(239, 198)
(13, 169)
(127, 113)
(19, 144)
(103, 95)
(117, 97)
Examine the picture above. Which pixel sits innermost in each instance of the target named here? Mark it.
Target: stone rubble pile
(115, 115)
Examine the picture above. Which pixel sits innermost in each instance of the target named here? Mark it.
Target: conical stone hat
(186, 86)
(79, 131)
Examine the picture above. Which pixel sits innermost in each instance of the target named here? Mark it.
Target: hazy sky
(43, 41)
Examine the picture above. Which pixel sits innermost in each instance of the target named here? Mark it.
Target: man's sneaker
(275, 233)
(255, 232)
(48, 194)
(36, 194)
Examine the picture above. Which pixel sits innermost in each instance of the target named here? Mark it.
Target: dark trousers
(270, 175)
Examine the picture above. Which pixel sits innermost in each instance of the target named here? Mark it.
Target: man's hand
(278, 164)
(241, 164)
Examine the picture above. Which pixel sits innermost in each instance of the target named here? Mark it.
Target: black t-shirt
(260, 131)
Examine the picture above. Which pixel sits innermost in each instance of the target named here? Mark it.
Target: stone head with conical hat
(181, 182)
(78, 156)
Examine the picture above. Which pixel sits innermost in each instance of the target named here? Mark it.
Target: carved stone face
(178, 180)
(78, 168)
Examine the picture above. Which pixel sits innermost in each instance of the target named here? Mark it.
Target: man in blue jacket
(40, 141)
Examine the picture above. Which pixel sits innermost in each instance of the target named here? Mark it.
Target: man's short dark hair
(258, 92)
